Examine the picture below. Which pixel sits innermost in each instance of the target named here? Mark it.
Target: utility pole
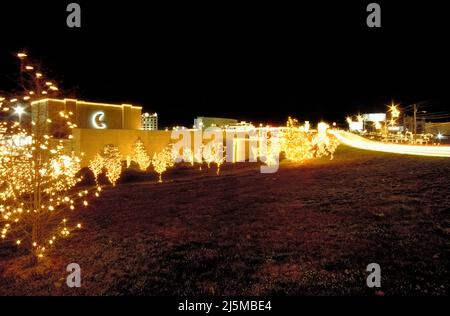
(415, 119)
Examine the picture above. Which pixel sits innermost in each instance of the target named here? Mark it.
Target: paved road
(357, 141)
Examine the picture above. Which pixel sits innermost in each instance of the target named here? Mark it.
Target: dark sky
(258, 62)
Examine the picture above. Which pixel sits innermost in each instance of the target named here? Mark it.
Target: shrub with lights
(300, 144)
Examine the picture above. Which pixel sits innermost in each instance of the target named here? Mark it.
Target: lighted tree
(128, 161)
(37, 180)
(38, 174)
(198, 156)
(32, 84)
(213, 152)
(269, 152)
(296, 142)
(183, 155)
(140, 155)
(163, 160)
(300, 144)
(323, 143)
(96, 166)
(188, 156)
(112, 162)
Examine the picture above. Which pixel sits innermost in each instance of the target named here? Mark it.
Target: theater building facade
(97, 125)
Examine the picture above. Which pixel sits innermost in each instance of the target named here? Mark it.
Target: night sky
(259, 62)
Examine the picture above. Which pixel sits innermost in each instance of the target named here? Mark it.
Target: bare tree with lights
(213, 152)
(140, 155)
(198, 156)
(184, 154)
(32, 84)
(96, 165)
(37, 174)
(37, 180)
(163, 160)
(108, 160)
(112, 162)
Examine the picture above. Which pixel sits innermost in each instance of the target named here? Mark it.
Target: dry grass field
(309, 229)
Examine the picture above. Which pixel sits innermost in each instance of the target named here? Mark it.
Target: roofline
(85, 102)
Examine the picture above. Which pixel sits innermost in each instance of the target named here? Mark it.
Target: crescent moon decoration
(97, 120)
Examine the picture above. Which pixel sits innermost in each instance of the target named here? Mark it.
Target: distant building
(438, 128)
(86, 115)
(371, 122)
(149, 122)
(408, 124)
(243, 125)
(374, 117)
(96, 125)
(202, 122)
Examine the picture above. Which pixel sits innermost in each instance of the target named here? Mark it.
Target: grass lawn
(309, 229)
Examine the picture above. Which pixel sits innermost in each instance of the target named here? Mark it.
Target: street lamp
(19, 110)
(21, 56)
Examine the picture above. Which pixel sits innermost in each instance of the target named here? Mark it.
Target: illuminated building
(149, 122)
(98, 125)
(89, 115)
(408, 124)
(202, 122)
(438, 128)
(369, 122)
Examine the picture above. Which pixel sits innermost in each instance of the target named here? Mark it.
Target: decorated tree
(163, 160)
(183, 155)
(198, 156)
(300, 144)
(269, 151)
(323, 143)
(32, 84)
(188, 156)
(96, 166)
(112, 162)
(213, 152)
(37, 187)
(38, 174)
(140, 155)
(296, 142)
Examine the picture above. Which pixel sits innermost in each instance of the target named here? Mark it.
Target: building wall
(213, 121)
(436, 128)
(114, 116)
(408, 124)
(91, 141)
